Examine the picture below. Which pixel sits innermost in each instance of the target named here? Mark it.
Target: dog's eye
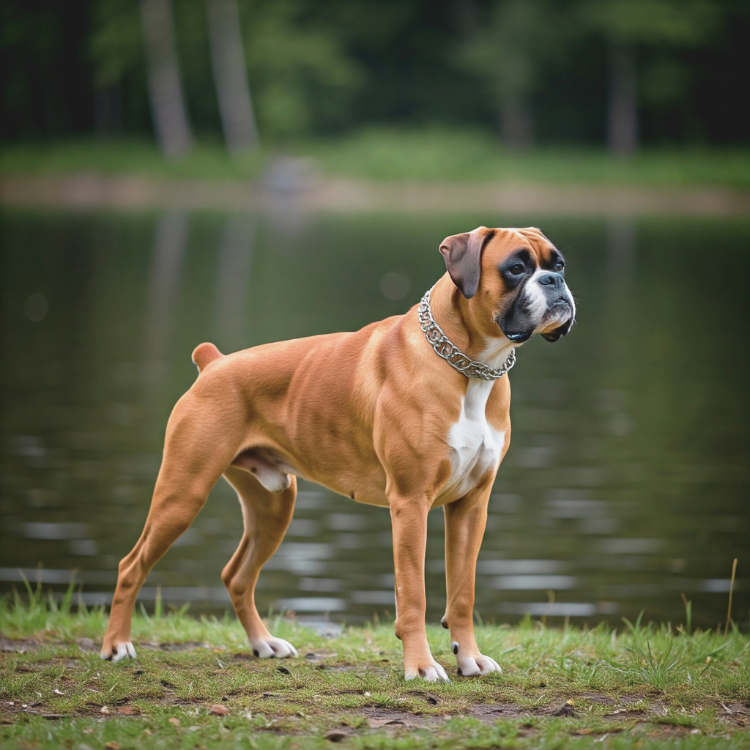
(517, 268)
(559, 267)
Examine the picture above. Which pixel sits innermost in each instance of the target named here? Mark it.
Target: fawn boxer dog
(409, 413)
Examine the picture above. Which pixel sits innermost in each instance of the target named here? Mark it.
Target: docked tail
(204, 354)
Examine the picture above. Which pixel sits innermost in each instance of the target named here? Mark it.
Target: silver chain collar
(445, 348)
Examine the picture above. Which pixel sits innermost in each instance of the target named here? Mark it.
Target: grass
(636, 687)
(450, 156)
(456, 156)
(141, 158)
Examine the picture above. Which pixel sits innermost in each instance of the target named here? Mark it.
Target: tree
(164, 85)
(230, 75)
(626, 26)
(509, 52)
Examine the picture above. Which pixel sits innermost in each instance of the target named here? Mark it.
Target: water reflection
(625, 484)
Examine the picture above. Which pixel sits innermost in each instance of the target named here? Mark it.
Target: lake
(627, 481)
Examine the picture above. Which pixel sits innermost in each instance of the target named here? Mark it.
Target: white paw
(431, 672)
(272, 648)
(473, 664)
(124, 650)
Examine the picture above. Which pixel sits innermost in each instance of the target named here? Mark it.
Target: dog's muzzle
(560, 306)
(545, 305)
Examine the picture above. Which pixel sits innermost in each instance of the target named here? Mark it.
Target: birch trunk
(164, 86)
(230, 75)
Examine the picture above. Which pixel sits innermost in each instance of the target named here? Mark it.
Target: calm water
(626, 483)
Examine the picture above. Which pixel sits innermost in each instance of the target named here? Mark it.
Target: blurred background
(244, 171)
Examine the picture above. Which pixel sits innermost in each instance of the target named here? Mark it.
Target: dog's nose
(551, 279)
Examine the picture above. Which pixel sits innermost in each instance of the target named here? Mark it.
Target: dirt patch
(737, 714)
(18, 645)
(380, 717)
(604, 700)
(492, 712)
(79, 191)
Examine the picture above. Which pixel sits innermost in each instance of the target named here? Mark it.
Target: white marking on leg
(468, 666)
(124, 650)
(272, 648)
(434, 672)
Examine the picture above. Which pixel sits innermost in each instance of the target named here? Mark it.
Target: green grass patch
(470, 157)
(141, 158)
(449, 156)
(634, 687)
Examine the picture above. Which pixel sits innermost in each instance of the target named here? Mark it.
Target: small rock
(111, 746)
(336, 735)
(104, 710)
(218, 710)
(174, 721)
(566, 710)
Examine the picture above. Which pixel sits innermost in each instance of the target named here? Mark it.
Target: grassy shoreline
(393, 156)
(637, 686)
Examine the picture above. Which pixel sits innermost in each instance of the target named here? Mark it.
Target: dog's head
(514, 281)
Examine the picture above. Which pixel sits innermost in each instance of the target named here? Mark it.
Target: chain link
(445, 348)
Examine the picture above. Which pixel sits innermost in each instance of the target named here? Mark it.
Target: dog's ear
(463, 257)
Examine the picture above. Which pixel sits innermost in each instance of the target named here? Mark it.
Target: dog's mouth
(518, 338)
(560, 312)
(555, 324)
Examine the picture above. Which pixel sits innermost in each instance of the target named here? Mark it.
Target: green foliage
(116, 42)
(325, 67)
(512, 49)
(670, 23)
(300, 75)
(445, 156)
(299, 71)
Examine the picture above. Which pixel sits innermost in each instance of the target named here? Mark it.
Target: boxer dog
(409, 413)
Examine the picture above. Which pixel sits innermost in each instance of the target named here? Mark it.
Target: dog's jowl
(408, 413)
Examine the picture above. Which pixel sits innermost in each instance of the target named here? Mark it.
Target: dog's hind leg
(199, 445)
(266, 515)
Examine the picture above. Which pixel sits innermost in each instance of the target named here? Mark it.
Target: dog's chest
(475, 445)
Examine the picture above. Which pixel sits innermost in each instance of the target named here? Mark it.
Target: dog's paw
(430, 671)
(272, 648)
(474, 664)
(118, 651)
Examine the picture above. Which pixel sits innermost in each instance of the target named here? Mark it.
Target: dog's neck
(450, 310)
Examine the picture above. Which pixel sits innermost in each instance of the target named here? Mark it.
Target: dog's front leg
(465, 520)
(409, 520)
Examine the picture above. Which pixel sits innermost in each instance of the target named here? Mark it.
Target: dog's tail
(204, 354)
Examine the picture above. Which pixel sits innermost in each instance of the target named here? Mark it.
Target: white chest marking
(475, 445)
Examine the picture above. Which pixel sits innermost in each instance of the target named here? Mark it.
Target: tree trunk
(622, 122)
(230, 75)
(516, 122)
(164, 86)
